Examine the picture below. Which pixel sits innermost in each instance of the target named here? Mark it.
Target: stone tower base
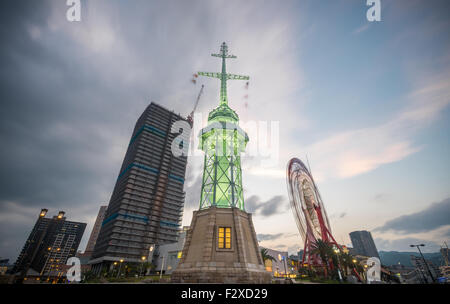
(203, 261)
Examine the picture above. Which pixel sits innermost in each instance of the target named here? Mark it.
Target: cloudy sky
(368, 102)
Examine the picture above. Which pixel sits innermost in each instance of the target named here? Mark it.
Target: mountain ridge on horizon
(393, 257)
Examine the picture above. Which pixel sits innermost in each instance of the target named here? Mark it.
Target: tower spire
(223, 76)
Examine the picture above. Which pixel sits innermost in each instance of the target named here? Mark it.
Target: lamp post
(423, 259)
(336, 251)
(365, 271)
(114, 267)
(150, 256)
(143, 258)
(282, 258)
(120, 267)
(162, 268)
(150, 251)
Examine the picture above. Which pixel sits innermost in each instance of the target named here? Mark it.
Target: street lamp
(162, 268)
(280, 257)
(336, 251)
(120, 267)
(423, 259)
(143, 258)
(365, 271)
(114, 267)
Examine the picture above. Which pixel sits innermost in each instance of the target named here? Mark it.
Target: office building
(95, 231)
(146, 205)
(51, 242)
(363, 244)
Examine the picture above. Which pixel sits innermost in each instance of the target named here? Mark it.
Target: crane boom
(190, 117)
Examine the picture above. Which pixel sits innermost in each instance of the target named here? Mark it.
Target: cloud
(71, 92)
(354, 152)
(292, 250)
(253, 204)
(435, 216)
(193, 192)
(338, 215)
(403, 244)
(379, 197)
(361, 29)
(268, 237)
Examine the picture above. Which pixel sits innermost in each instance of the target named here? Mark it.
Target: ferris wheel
(309, 211)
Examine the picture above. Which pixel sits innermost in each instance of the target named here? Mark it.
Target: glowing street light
(120, 267)
(143, 258)
(281, 258)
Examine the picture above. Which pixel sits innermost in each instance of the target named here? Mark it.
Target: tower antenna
(223, 76)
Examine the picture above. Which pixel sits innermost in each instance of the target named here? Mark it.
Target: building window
(224, 238)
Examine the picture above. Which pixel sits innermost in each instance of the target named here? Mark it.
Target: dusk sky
(368, 102)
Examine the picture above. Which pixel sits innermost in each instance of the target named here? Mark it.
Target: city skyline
(367, 102)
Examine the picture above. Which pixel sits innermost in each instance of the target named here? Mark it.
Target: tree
(347, 262)
(265, 256)
(325, 252)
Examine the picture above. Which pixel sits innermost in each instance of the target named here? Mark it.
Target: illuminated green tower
(222, 140)
(221, 244)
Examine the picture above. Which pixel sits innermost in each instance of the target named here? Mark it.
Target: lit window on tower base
(224, 238)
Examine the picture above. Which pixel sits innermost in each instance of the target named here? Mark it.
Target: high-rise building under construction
(146, 205)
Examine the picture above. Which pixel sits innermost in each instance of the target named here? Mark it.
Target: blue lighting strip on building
(128, 215)
(150, 169)
(110, 218)
(140, 166)
(150, 129)
(177, 178)
(164, 223)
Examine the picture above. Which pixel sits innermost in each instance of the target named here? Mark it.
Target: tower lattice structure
(222, 140)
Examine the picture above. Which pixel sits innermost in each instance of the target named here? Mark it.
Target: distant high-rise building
(95, 231)
(363, 243)
(146, 205)
(51, 242)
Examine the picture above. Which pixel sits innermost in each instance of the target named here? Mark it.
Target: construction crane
(190, 117)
